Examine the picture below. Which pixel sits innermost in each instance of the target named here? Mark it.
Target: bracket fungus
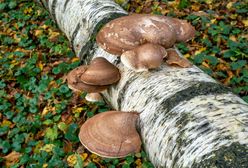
(93, 78)
(127, 35)
(100, 72)
(144, 57)
(74, 82)
(174, 59)
(111, 134)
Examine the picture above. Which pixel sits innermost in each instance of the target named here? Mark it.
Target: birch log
(187, 119)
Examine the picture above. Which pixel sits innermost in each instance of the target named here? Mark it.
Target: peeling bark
(187, 119)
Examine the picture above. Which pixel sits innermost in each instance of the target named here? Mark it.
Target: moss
(233, 156)
(200, 88)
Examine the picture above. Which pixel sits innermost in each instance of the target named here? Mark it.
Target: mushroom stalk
(187, 118)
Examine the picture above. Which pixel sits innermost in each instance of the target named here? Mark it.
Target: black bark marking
(65, 5)
(74, 34)
(123, 90)
(54, 3)
(53, 13)
(197, 89)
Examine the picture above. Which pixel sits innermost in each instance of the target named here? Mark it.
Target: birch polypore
(187, 118)
(77, 85)
(111, 134)
(144, 57)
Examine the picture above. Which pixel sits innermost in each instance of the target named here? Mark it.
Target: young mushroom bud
(94, 97)
(111, 134)
(144, 57)
(174, 59)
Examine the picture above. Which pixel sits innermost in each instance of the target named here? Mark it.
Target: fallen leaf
(200, 50)
(12, 158)
(77, 110)
(71, 160)
(48, 148)
(45, 165)
(84, 156)
(229, 5)
(6, 123)
(245, 22)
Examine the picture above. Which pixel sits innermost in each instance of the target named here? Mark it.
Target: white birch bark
(187, 119)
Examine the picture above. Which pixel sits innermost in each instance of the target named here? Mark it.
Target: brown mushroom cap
(74, 82)
(184, 30)
(174, 59)
(111, 134)
(126, 33)
(100, 72)
(94, 97)
(144, 57)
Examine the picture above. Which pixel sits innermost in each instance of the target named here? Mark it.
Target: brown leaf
(12, 158)
(67, 146)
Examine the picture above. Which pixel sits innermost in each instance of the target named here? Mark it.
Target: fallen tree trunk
(187, 119)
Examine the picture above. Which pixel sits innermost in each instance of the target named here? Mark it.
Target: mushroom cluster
(141, 39)
(93, 78)
(111, 134)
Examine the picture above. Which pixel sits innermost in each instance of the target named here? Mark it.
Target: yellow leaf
(17, 39)
(187, 55)
(205, 64)
(38, 146)
(6, 123)
(195, 7)
(233, 38)
(77, 110)
(245, 22)
(72, 160)
(93, 156)
(53, 35)
(48, 148)
(233, 16)
(45, 165)
(208, 1)
(40, 65)
(200, 50)
(44, 26)
(138, 162)
(213, 20)
(75, 59)
(38, 32)
(44, 111)
(28, 10)
(84, 156)
(229, 5)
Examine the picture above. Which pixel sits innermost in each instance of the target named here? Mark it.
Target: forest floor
(40, 116)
